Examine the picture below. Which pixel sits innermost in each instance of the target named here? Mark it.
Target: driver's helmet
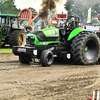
(72, 21)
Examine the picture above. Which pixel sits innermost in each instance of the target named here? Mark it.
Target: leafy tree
(33, 10)
(68, 6)
(95, 22)
(97, 7)
(8, 7)
(80, 8)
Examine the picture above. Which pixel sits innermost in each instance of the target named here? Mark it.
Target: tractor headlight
(30, 40)
(31, 37)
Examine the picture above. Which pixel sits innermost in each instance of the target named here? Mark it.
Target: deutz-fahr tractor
(10, 33)
(68, 42)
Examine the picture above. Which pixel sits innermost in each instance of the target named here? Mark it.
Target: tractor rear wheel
(17, 38)
(11, 38)
(85, 48)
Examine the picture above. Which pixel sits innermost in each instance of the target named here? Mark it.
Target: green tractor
(68, 42)
(10, 33)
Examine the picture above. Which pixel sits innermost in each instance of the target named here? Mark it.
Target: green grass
(5, 50)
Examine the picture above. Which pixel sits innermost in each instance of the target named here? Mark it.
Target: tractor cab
(72, 22)
(10, 33)
(7, 24)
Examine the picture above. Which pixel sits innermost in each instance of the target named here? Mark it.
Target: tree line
(80, 8)
(74, 7)
(9, 7)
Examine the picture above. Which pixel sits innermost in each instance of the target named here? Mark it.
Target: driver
(70, 24)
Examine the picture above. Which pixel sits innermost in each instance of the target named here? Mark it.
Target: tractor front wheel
(46, 58)
(85, 48)
(24, 59)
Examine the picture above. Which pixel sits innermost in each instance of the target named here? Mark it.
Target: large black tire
(46, 58)
(85, 48)
(11, 38)
(17, 38)
(24, 59)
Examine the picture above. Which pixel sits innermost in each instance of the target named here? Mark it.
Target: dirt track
(58, 82)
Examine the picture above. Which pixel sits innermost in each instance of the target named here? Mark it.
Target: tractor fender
(75, 32)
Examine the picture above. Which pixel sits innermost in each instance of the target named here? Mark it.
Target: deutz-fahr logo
(21, 49)
(53, 33)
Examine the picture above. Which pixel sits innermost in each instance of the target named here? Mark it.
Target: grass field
(5, 50)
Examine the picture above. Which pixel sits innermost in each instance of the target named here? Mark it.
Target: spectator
(36, 28)
(28, 29)
(23, 27)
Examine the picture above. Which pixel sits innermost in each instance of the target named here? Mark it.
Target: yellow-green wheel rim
(22, 39)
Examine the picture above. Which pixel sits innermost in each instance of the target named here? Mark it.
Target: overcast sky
(36, 4)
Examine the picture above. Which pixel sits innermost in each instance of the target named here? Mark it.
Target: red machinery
(59, 17)
(99, 18)
(26, 14)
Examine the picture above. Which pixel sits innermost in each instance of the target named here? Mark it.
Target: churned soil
(61, 81)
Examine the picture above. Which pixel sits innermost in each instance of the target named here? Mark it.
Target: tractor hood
(45, 36)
